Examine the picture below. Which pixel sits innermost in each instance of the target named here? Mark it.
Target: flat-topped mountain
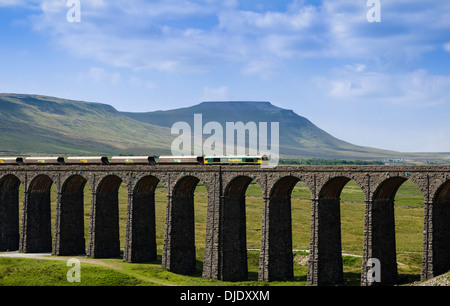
(40, 124)
(299, 137)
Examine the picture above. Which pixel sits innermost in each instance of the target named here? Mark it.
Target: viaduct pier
(225, 256)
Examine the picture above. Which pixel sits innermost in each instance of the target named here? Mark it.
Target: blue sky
(382, 84)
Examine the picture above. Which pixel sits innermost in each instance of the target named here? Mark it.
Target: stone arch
(442, 194)
(233, 228)
(140, 243)
(441, 229)
(382, 244)
(37, 233)
(109, 184)
(9, 182)
(387, 189)
(9, 213)
(185, 186)
(74, 183)
(179, 239)
(104, 229)
(333, 187)
(237, 186)
(283, 187)
(276, 258)
(326, 265)
(69, 236)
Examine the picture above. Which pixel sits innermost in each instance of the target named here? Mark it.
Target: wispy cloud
(19, 3)
(447, 47)
(412, 89)
(215, 94)
(100, 75)
(201, 36)
(193, 36)
(263, 68)
(26, 4)
(311, 56)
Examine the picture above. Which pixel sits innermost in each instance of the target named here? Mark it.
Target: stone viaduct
(225, 256)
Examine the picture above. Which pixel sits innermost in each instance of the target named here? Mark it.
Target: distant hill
(33, 124)
(39, 124)
(299, 137)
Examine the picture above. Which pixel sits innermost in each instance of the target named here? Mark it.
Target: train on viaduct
(225, 255)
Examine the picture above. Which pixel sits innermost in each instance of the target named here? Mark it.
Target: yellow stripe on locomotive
(211, 160)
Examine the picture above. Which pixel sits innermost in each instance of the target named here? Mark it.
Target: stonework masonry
(225, 256)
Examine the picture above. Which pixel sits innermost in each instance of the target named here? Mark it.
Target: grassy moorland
(39, 124)
(36, 124)
(111, 272)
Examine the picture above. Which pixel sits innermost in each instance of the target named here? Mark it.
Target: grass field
(409, 226)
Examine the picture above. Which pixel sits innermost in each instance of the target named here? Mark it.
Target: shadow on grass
(351, 278)
(408, 278)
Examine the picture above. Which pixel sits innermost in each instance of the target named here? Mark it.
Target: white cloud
(262, 68)
(139, 82)
(215, 94)
(11, 2)
(414, 89)
(282, 44)
(447, 47)
(100, 75)
(27, 4)
(195, 36)
(251, 22)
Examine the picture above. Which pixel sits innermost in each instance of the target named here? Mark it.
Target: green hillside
(299, 137)
(39, 124)
(33, 124)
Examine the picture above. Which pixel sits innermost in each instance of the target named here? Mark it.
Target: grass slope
(33, 124)
(39, 124)
(298, 136)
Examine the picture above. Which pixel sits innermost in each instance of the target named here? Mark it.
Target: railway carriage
(180, 160)
(133, 160)
(90, 160)
(45, 160)
(137, 160)
(11, 161)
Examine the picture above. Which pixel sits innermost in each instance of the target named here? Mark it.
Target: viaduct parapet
(225, 256)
